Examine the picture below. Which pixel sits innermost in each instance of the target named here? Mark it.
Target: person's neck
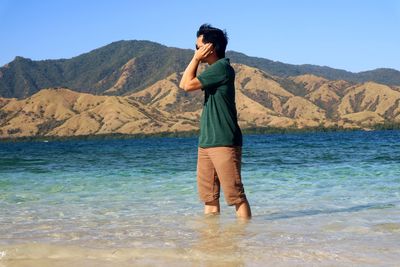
(212, 59)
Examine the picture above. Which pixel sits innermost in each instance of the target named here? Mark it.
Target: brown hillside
(62, 112)
(322, 92)
(373, 97)
(125, 73)
(165, 95)
(309, 81)
(261, 88)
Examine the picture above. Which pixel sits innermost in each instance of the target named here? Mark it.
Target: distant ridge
(381, 75)
(94, 72)
(124, 67)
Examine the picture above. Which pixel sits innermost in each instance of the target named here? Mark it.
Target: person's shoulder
(224, 61)
(221, 62)
(218, 66)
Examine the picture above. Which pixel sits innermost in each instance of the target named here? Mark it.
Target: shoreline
(245, 131)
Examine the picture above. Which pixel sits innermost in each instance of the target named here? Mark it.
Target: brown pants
(220, 167)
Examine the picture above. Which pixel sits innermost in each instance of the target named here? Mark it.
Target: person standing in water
(220, 140)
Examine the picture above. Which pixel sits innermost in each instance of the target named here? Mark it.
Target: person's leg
(227, 162)
(207, 183)
(243, 210)
(212, 207)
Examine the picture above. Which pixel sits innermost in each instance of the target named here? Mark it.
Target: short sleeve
(213, 76)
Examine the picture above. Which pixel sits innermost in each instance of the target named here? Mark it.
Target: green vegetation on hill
(94, 72)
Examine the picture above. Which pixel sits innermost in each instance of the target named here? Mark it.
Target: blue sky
(354, 35)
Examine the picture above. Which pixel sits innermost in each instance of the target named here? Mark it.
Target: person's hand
(203, 52)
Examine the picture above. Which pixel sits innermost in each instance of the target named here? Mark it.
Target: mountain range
(128, 66)
(131, 87)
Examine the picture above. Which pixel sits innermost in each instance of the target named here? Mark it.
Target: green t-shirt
(218, 123)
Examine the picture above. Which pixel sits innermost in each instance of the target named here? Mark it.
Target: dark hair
(217, 37)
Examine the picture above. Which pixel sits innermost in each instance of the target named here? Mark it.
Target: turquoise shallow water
(320, 198)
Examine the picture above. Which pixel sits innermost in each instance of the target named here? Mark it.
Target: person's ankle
(243, 210)
(212, 207)
(211, 214)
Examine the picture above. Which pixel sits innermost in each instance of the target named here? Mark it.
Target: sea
(318, 199)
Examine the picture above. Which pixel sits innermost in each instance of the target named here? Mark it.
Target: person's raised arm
(189, 82)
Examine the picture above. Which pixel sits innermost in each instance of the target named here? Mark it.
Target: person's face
(199, 43)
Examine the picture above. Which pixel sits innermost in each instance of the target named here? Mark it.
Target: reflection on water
(220, 244)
